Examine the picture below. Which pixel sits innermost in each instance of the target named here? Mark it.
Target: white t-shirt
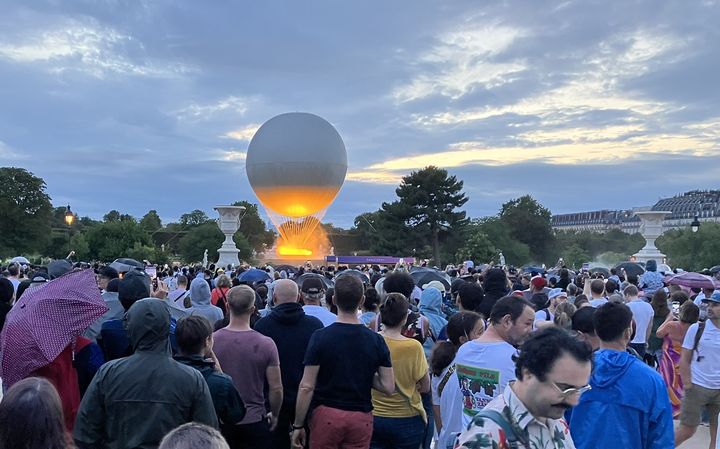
(482, 371)
(705, 372)
(321, 313)
(643, 314)
(598, 302)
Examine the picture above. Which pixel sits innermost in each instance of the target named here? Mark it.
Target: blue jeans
(430, 427)
(397, 433)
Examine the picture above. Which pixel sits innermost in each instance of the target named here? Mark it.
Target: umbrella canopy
(605, 272)
(715, 269)
(289, 269)
(46, 320)
(531, 269)
(631, 268)
(254, 275)
(664, 268)
(303, 277)
(693, 280)
(21, 260)
(422, 277)
(356, 273)
(125, 264)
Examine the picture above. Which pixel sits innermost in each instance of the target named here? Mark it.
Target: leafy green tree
(208, 236)
(253, 227)
(529, 223)
(427, 203)
(194, 218)
(574, 256)
(692, 251)
(478, 247)
(365, 227)
(515, 252)
(26, 212)
(151, 221)
(80, 246)
(112, 239)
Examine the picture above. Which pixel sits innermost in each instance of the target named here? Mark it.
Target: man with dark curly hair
(552, 369)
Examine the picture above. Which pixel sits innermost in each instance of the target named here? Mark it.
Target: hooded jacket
(430, 303)
(200, 296)
(134, 401)
(229, 407)
(290, 328)
(627, 407)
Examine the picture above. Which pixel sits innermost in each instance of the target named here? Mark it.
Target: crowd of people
(361, 357)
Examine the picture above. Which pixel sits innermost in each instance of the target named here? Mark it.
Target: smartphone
(585, 266)
(151, 271)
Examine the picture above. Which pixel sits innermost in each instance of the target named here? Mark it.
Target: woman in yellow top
(399, 419)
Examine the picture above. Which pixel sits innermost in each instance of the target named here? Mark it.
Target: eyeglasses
(571, 391)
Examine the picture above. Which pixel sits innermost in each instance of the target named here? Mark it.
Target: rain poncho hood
(200, 292)
(430, 302)
(628, 402)
(148, 326)
(200, 296)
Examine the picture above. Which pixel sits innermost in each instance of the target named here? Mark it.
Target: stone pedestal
(229, 223)
(651, 227)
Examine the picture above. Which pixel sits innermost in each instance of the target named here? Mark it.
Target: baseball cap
(313, 286)
(538, 282)
(435, 284)
(554, 293)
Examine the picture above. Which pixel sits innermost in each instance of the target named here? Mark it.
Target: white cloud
(461, 61)
(196, 111)
(85, 47)
(9, 153)
(244, 134)
(234, 155)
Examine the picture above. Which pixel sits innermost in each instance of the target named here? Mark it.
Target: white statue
(205, 260)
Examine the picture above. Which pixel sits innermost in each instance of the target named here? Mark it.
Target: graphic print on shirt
(478, 387)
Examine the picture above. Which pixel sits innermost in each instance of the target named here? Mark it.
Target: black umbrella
(303, 277)
(356, 273)
(631, 268)
(422, 277)
(125, 264)
(715, 269)
(289, 269)
(605, 272)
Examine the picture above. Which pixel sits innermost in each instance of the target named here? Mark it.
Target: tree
(26, 212)
(112, 239)
(208, 237)
(365, 227)
(515, 252)
(529, 222)
(253, 227)
(693, 251)
(194, 218)
(151, 221)
(478, 247)
(574, 256)
(427, 203)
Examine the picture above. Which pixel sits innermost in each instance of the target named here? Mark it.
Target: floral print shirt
(532, 433)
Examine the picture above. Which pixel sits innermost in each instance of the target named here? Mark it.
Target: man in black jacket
(194, 339)
(290, 328)
(126, 392)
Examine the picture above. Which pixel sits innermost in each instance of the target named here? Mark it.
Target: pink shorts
(332, 428)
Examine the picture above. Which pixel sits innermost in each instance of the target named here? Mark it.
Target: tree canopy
(26, 209)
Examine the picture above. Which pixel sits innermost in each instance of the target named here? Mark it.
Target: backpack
(512, 439)
(698, 335)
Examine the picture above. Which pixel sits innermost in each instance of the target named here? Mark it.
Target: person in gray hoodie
(200, 297)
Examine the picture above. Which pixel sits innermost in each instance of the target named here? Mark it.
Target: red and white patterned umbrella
(45, 321)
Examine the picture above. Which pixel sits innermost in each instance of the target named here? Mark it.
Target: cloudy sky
(139, 105)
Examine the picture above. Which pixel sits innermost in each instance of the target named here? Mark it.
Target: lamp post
(695, 225)
(69, 219)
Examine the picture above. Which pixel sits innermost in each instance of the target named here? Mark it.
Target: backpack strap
(499, 419)
(445, 379)
(698, 335)
(547, 315)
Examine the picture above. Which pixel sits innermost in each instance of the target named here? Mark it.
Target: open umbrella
(631, 268)
(21, 260)
(715, 269)
(45, 321)
(303, 277)
(254, 275)
(605, 272)
(289, 269)
(125, 264)
(693, 280)
(356, 273)
(422, 277)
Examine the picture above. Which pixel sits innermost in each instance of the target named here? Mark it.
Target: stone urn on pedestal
(651, 227)
(229, 223)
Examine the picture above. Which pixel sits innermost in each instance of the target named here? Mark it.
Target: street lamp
(69, 216)
(695, 225)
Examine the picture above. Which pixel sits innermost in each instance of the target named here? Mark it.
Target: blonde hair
(563, 315)
(192, 436)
